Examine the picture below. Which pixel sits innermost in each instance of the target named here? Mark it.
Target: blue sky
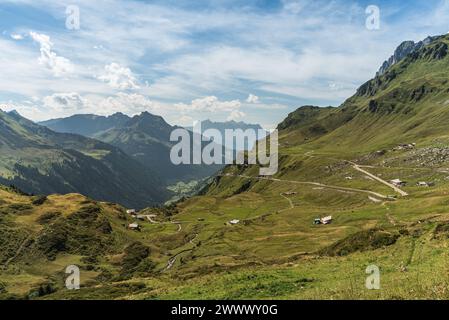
(253, 60)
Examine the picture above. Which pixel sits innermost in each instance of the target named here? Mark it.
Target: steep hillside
(41, 236)
(401, 52)
(407, 103)
(41, 161)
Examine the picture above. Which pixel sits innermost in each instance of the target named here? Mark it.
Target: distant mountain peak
(402, 51)
(14, 113)
(146, 114)
(118, 114)
(147, 119)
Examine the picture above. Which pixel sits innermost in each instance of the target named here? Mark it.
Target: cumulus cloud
(307, 52)
(127, 103)
(65, 102)
(185, 120)
(209, 104)
(213, 105)
(16, 36)
(69, 103)
(60, 66)
(119, 77)
(252, 99)
(236, 115)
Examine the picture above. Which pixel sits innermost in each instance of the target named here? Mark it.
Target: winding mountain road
(173, 259)
(369, 174)
(151, 216)
(392, 186)
(314, 184)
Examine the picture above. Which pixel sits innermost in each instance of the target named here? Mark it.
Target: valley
(378, 165)
(275, 250)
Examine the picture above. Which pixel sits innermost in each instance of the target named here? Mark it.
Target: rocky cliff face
(404, 49)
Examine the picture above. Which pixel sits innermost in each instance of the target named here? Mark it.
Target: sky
(243, 60)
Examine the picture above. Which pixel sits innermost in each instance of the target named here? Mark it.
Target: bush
(39, 200)
(135, 253)
(2, 287)
(146, 267)
(104, 226)
(361, 241)
(48, 217)
(18, 208)
(442, 229)
(42, 290)
(52, 241)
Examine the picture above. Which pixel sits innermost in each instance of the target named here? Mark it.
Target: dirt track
(401, 192)
(313, 183)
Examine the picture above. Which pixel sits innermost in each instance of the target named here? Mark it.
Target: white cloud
(210, 104)
(65, 102)
(307, 52)
(271, 69)
(236, 115)
(119, 77)
(70, 103)
(265, 106)
(126, 103)
(16, 36)
(252, 99)
(185, 121)
(60, 66)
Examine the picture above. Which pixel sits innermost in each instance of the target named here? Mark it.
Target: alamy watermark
(72, 21)
(372, 22)
(373, 280)
(72, 282)
(192, 148)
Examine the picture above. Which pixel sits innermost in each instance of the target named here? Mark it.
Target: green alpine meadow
(93, 206)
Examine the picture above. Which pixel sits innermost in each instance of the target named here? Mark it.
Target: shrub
(2, 287)
(135, 253)
(104, 226)
(48, 217)
(18, 208)
(361, 241)
(442, 229)
(40, 200)
(52, 241)
(42, 290)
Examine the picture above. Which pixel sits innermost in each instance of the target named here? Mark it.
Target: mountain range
(146, 138)
(41, 161)
(117, 158)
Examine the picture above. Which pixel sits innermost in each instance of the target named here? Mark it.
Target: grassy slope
(39, 240)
